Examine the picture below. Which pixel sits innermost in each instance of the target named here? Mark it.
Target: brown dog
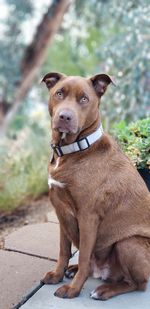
(101, 201)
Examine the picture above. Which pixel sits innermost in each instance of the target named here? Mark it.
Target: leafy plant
(135, 141)
(24, 160)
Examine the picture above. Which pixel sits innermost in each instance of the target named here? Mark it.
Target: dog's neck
(71, 138)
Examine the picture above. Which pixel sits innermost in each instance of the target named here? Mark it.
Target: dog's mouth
(65, 121)
(66, 130)
(67, 135)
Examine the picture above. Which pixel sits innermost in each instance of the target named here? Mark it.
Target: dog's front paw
(66, 291)
(52, 278)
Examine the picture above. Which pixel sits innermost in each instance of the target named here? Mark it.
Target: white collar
(79, 145)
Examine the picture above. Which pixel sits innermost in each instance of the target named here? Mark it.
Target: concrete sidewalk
(45, 299)
(28, 254)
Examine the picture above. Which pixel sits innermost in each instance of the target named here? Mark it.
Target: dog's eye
(84, 99)
(59, 94)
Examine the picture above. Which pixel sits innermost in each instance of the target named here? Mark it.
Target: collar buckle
(57, 149)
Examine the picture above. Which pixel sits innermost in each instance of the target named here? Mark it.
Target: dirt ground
(34, 212)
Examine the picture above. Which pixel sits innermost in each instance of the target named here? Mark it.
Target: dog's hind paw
(102, 292)
(71, 271)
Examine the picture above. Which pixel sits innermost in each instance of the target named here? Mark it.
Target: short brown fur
(104, 208)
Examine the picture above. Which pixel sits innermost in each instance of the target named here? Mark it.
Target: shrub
(135, 141)
(24, 162)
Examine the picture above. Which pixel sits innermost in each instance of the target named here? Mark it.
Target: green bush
(24, 161)
(135, 141)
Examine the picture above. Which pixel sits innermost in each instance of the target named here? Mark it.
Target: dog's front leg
(88, 232)
(57, 275)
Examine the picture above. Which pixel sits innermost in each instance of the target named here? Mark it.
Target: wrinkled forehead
(75, 84)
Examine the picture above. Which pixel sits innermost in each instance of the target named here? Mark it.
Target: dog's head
(74, 101)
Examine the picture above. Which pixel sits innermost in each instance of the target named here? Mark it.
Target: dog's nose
(65, 116)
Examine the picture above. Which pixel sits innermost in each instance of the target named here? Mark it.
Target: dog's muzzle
(65, 122)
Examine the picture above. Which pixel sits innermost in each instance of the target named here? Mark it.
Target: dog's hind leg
(106, 291)
(134, 259)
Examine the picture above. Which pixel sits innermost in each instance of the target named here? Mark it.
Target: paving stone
(45, 299)
(19, 273)
(38, 239)
(51, 217)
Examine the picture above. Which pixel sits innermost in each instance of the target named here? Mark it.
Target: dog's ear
(50, 79)
(100, 83)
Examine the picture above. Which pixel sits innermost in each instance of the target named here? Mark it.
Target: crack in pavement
(30, 254)
(28, 296)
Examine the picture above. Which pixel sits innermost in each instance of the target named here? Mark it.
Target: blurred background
(77, 38)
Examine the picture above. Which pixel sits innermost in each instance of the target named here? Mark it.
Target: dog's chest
(58, 189)
(51, 180)
(80, 180)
